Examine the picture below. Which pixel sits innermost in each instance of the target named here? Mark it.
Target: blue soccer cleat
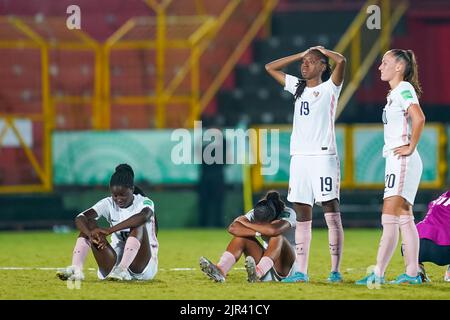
(296, 277)
(334, 277)
(405, 279)
(370, 279)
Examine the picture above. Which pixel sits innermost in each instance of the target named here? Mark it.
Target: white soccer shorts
(314, 179)
(402, 176)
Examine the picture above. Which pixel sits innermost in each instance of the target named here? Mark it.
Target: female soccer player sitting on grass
(133, 252)
(434, 234)
(275, 258)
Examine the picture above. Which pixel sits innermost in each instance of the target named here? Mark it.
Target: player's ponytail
(138, 190)
(411, 73)
(412, 76)
(274, 198)
(301, 85)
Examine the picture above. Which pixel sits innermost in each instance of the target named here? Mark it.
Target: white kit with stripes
(108, 209)
(402, 175)
(314, 170)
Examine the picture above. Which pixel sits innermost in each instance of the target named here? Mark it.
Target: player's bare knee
(137, 232)
(331, 205)
(275, 243)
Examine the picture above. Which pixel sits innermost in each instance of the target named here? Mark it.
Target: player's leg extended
(235, 249)
(335, 237)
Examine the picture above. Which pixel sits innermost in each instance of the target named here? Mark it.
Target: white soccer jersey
(315, 111)
(108, 209)
(397, 123)
(289, 215)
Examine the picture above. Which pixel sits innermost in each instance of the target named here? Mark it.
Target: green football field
(28, 259)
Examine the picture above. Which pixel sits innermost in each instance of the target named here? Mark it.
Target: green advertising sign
(369, 163)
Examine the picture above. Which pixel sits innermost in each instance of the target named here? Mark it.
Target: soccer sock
(410, 244)
(388, 242)
(130, 251)
(335, 238)
(80, 252)
(303, 237)
(264, 265)
(227, 260)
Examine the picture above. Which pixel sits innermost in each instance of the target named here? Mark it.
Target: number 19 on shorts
(325, 184)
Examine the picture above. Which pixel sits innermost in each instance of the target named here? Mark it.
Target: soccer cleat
(423, 275)
(70, 273)
(334, 277)
(119, 274)
(296, 277)
(250, 266)
(447, 275)
(405, 279)
(211, 270)
(370, 279)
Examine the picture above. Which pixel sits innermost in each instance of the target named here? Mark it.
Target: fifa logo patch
(315, 93)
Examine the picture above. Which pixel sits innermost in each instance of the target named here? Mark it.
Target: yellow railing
(164, 94)
(247, 38)
(32, 39)
(351, 42)
(43, 170)
(206, 30)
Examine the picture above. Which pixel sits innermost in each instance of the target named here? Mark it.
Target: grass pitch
(179, 276)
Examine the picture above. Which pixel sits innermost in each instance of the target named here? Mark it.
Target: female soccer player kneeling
(133, 252)
(434, 234)
(274, 259)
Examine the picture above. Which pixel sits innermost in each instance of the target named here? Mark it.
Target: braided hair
(326, 74)
(411, 73)
(268, 208)
(124, 177)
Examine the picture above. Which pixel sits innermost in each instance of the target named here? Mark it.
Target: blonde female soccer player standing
(314, 169)
(403, 124)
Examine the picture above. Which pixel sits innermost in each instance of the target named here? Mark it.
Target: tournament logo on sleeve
(406, 94)
(148, 202)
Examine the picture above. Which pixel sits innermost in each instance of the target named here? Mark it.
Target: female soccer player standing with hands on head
(403, 124)
(314, 168)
